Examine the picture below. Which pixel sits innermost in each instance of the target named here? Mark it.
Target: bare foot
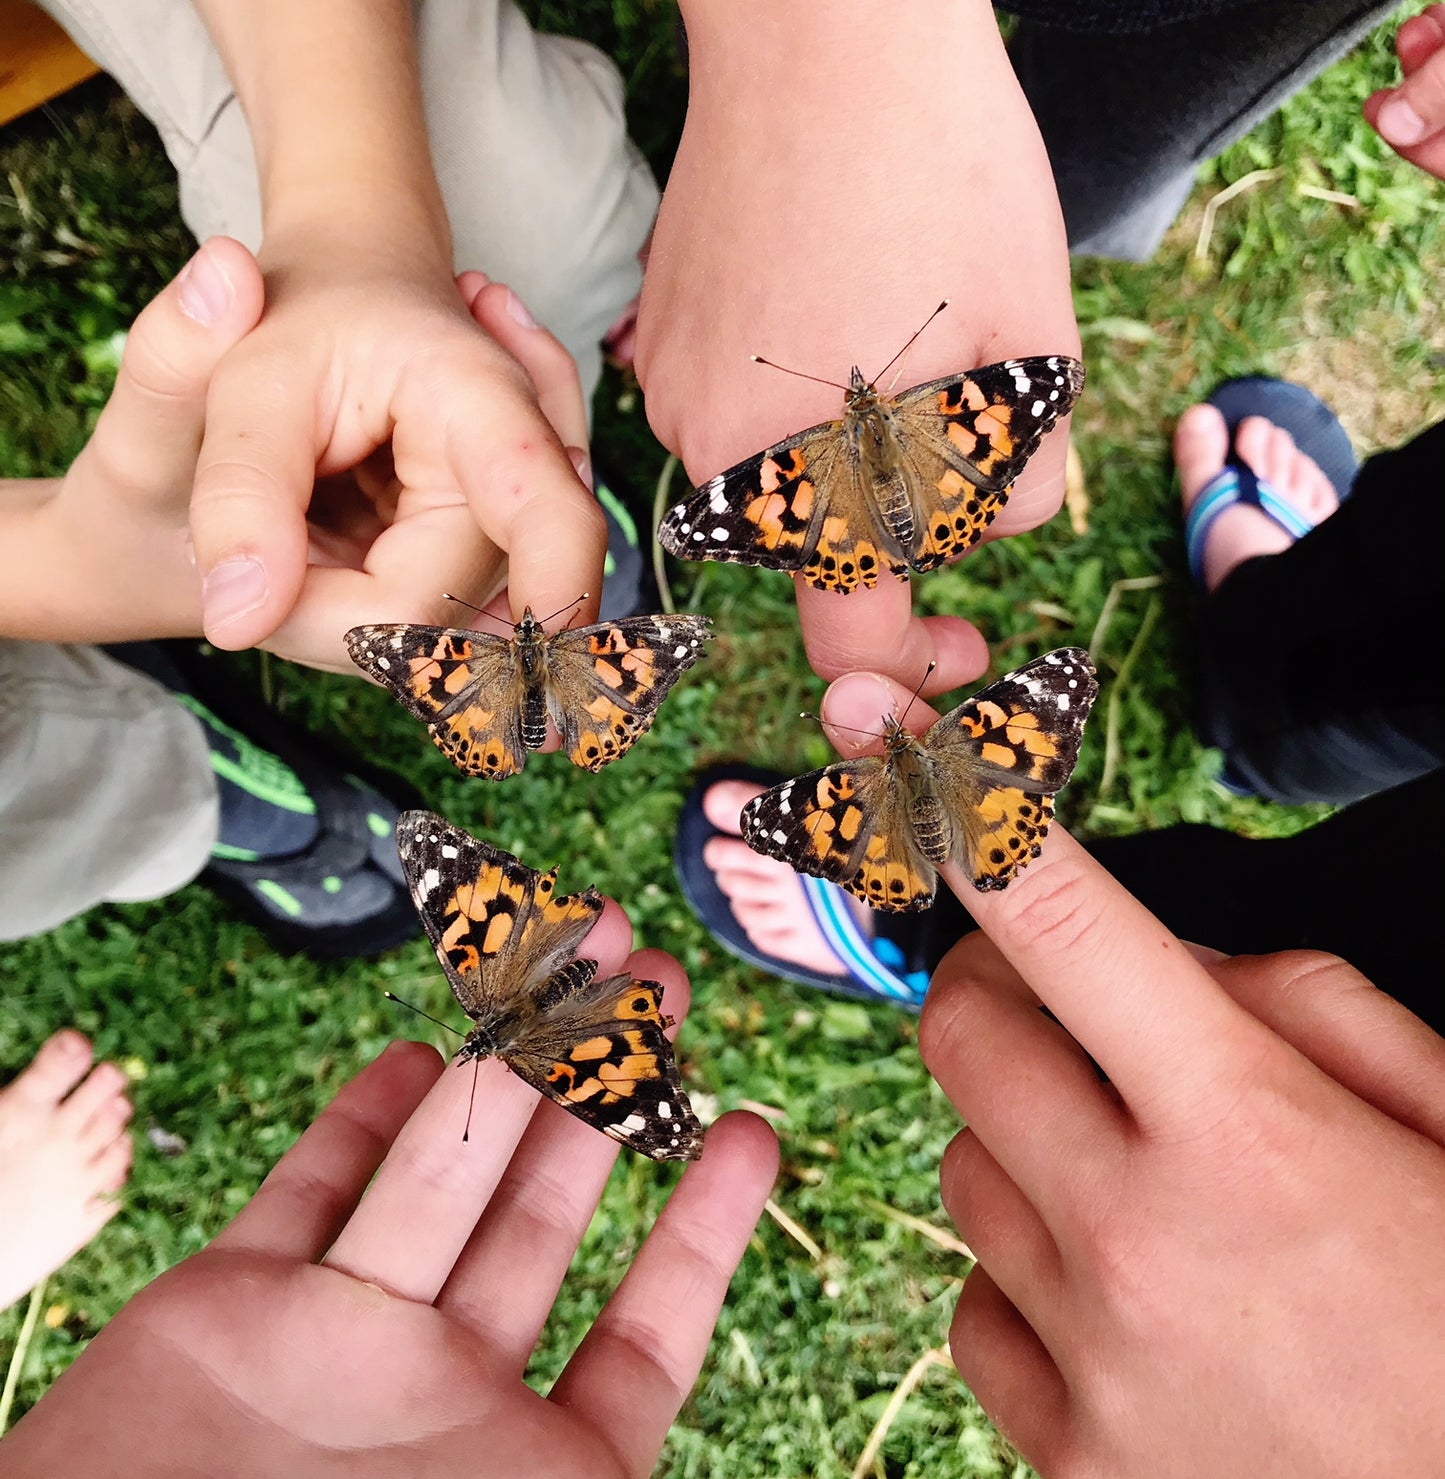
(64, 1151)
(1201, 445)
(765, 894)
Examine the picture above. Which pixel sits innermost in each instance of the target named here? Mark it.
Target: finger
(876, 630)
(1415, 110)
(305, 1201)
(253, 485)
(149, 435)
(407, 573)
(1129, 992)
(1420, 37)
(1007, 1367)
(525, 493)
(1039, 492)
(551, 369)
(1362, 1038)
(531, 1230)
(637, 1364)
(415, 1220)
(1047, 1120)
(1000, 1225)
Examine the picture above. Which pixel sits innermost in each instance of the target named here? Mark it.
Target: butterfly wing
(599, 1050)
(605, 683)
(965, 438)
(496, 925)
(849, 824)
(466, 687)
(999, 758)
(800, 506)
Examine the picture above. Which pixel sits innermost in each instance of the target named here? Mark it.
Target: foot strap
(864, 958)
(1236, 484)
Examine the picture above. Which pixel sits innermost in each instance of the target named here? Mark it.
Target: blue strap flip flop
(870, 969)
(1317, 432)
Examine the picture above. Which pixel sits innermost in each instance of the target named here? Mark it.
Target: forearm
(332, 93)
(67, 577)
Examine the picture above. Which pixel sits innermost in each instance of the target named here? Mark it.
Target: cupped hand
(383, 1327)
(411, 435)
(1411, 117)
(1225, 1258)
(837, 178)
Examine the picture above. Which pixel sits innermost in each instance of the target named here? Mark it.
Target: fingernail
(205, 291)
(1399, 123)
(233, 589)
(190, 548)
(583, 465)
(517, 311)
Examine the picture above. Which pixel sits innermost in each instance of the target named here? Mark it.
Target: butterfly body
(900, 481)
(595, 1045)
(486, 699)
(976, 790)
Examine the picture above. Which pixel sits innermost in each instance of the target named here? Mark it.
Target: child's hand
(1225, 1259)
(1411, 117)
(360, 355)
(834, 183)
(382, 1320)
(103, 554)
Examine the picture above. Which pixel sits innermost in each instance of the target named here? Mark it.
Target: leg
(106, 789)
(1291, 683)
(543, 187)
(1127, 120)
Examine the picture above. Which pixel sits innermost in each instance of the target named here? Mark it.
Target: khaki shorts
(544, 189)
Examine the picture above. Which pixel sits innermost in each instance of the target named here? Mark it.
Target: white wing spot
(719, 534)
(665, 1110)
(383, 662)
(449, 851)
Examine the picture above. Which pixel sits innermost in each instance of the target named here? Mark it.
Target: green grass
(235, 1049)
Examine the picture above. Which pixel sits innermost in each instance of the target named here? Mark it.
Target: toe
(1252, 441)
(104, 1084)
(57, 1068)
(731, 857)
(1201, 444)
(108, 1121)
(1283, 465)
(723, 800)
(109, 1170)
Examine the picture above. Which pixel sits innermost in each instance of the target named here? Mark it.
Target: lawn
(1319, 268)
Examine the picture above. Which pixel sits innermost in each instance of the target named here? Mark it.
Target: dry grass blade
(1211, 208)
(22, 1349)
(921, 1225)
(1334, 197)
(659, 507)
(1076, 492)
(798, 1234)
(1117, 688)
(915, 1374)
(1111, 605)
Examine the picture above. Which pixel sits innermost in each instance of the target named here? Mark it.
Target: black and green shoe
(306, 846)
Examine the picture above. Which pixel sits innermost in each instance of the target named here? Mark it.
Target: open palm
(403, 1350)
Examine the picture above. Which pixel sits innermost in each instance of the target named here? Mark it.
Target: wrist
(332, 93)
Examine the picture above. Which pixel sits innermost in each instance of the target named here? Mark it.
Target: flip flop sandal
(874, 969)
(1317, 433)
(343, 896)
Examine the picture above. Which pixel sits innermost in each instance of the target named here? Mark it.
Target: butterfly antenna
(908, 346)
(757, 359)
(472, 1102)
(392, 996)
(570, 606)
(927, 674)
(481, 611)
(870, 733)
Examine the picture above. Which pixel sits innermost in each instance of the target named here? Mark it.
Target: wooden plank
(38, 61)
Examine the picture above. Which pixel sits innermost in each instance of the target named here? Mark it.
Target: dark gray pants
(1128, 120)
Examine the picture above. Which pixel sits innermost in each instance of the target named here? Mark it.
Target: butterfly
(486, 699)
(976, 790)
(902, 480)
(508, 945)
